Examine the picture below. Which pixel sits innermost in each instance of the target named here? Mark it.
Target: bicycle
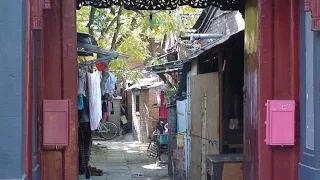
(107, 130)
(161, 143)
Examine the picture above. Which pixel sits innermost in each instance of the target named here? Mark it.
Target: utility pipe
(201, 36)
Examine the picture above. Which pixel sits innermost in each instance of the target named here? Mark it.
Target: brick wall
(12, 48)
(144, 115)
(135, 117)
(176, 164)
(153, 112)
(179, 164)
(129, 105)
(172, 140)
(153, 92)
(148, 116)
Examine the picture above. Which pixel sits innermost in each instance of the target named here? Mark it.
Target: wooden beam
(69, 86)
(165, 80)
(97, 49)
(221, 123)
(96, 61)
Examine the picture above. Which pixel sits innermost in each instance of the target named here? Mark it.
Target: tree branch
(139, 12)
(105, 72)
(133, 26)
(106, 30)
(91, 20)
(117, 30)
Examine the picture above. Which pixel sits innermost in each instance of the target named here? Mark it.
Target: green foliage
(135, 47)
(170, 92)
(135, 28)
(82, 19)
(121, 70)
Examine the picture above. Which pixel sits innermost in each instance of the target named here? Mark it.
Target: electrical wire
(210, 141)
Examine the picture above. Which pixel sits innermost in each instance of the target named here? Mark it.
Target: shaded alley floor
(125, 159)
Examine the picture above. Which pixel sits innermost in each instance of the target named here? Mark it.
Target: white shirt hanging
(95, 104)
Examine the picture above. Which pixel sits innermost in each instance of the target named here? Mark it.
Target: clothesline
(97, 49)
(96, 61)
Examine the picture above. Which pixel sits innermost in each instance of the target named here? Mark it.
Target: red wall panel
(57, 59)
(271, 72)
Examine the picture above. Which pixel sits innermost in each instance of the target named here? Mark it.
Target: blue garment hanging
(80, 102)
(112, 79)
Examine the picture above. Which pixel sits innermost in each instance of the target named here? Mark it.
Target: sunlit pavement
(125, 159)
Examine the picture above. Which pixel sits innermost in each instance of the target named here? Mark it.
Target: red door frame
(28, 95)
(271, 72)
(56, 22)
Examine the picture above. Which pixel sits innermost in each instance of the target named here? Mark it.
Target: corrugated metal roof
(210, 46)
(144, 83)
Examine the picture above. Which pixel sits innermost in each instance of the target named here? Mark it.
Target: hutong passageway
(125, 159)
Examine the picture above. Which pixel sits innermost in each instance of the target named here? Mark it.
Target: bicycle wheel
(108, 130)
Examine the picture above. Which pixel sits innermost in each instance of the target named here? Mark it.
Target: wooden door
(204, 121)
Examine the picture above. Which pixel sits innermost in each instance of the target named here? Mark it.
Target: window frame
(137, 102)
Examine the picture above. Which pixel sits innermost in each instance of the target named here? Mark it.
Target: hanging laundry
(82, 82)
(158, 97)
(105, 112)
(95, 104)
(100, 66)
(112, 79)
(163, 109)
(80, 102)
(83, 115)
(112, 109)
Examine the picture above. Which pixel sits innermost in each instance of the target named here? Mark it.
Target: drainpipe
(201, 36)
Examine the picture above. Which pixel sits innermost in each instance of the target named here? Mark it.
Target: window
(137, 103)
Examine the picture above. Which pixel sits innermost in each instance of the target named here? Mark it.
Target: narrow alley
(125, 159)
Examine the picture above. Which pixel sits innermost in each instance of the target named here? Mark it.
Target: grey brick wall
(12, 33)
(179, 164)
(135, 118)
(129, 104)
(153, 112)
(176, 164)
(172, 140)
(148, 116)
(144, 115)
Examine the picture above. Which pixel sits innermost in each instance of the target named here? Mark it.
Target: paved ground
(125, 159)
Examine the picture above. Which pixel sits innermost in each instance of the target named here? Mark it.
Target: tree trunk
(91, 20)
(105, 72)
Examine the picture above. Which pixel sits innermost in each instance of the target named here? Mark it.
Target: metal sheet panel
(204, 121)
(280, 122)
(181, 116)
(309, 164)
